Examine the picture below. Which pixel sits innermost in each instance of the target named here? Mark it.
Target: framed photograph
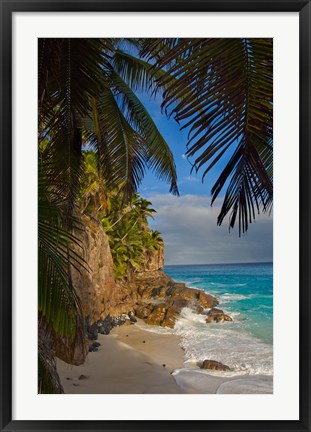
(155, 215)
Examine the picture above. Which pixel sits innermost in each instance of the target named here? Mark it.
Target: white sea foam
(236, 316)
(224, 342)
(222, 285)
(200, 381)
(194, 280)
(189, 281)
(226, 298)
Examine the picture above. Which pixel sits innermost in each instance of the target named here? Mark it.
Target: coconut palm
(59, 307)
(221, 90)
(83, 101)
(92, 195)
(130, 238)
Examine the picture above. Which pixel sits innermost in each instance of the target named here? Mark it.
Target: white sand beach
(132, 360)
(129, 360)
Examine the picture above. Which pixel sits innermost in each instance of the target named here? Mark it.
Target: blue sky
(188, 223)
(177, 140)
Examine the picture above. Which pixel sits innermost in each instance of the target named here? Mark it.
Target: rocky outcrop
(74, 356)
(161, 304)
(150, 295)
(214, 365)
(160, 300)
(95, 285)
(217, 315)
(154, 298)
(154, 261)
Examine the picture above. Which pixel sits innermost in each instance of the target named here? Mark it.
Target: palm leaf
(121, 149)
(69, 74)
(221, 90)
(159, 157)
(48, 379)
(58, 250)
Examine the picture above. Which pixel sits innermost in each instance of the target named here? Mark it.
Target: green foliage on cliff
(87, 95)
(130, 238)
(83, 100)
(125, 223)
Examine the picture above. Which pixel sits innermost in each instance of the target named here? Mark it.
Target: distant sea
(245, 292)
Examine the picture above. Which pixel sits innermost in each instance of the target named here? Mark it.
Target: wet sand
(129, 361)
(132, 360)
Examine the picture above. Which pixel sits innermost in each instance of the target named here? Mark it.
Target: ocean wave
(222, 285)
(199, 381)
(188, 281)
(194, 280)
(227, 297)
(222, 342)
(226, 342)
(235, 315)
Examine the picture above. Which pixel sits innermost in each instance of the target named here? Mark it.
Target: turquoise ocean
(245, 292)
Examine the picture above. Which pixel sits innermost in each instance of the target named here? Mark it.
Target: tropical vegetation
(126, 224)
(131, 240)
(220, 90)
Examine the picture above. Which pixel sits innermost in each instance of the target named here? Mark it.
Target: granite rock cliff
(150, 294)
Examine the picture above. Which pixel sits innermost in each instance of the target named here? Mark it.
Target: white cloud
(188, 179)
(191, 179)
(189, 227)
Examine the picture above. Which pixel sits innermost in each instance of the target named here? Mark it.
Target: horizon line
(219, 263)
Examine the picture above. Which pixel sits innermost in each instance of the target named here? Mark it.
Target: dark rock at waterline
(92, 333)
(96, 344)
(217, 315)
(91, 330)
(105, 326)
(133, 319)
(93, 347)
(103, 330)
(214, 365)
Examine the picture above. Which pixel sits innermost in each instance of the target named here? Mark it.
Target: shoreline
(132, 360)
(129, 361)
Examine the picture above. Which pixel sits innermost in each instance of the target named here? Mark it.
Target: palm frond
(121, 149)
(159, 157)
(48, 379)
(58, 250)
(69, 74)
(221, 90)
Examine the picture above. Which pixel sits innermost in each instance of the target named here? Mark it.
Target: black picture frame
(7, 9)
